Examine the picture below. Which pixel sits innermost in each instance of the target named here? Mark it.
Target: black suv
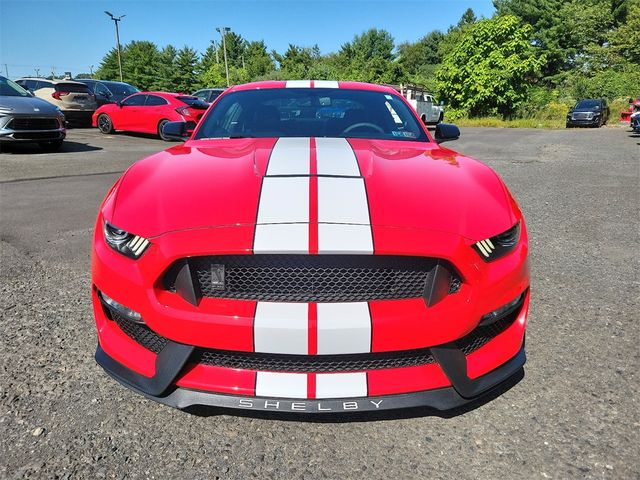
(588, 113)
(107, 91)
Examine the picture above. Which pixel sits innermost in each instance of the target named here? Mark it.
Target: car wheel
(51, 146)
(440, 118)
(160, 134)
(423, 117)
(105, 125)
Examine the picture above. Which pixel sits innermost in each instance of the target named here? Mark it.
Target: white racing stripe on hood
(344, 225)
(336, 157)
(290, 156)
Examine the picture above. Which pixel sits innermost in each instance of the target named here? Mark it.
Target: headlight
(124, 242)
(499, 245)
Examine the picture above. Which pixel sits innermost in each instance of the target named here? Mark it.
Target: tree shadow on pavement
(400, 414)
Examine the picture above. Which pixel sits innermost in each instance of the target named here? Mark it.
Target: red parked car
(313, 250)
(147, 112)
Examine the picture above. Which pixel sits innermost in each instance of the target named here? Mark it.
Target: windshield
(588, 104)
(311, 112)
(121, 89)
(11, 89)
(72, 88)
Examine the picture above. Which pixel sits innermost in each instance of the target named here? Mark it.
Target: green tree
(108, 68)
(167, 69)
(186, 63)
(140, 64)
(491, 67)
(296, 63)
(370, 57)
(258, 62)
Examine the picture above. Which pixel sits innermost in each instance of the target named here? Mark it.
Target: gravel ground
(575, 413)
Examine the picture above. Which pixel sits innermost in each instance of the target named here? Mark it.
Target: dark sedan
(107, 91)
(588, 113)
(24, 118)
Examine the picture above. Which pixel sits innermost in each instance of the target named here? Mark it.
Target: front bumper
(594, 122)
(10, 133)
(172, 360)
(174, 371)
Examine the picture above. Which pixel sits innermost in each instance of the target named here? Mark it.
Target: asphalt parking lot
(575, 414)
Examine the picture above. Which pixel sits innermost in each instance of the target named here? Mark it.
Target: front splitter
(438, 399)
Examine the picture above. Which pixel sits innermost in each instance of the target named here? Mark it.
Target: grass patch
(515, 123)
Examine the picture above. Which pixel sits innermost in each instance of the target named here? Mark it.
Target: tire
(423, 117)
(440, 118)
(162, 123)
(105, 125)
(52, 146)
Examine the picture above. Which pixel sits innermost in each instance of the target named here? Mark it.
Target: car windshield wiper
(226, 136)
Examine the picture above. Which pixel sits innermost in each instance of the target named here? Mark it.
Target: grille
(483, 334)
(138, 332)
(36, 135)
(268, 362)
(581, 116)
(312, 278)
(34, 124)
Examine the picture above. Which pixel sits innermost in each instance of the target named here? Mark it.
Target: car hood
(28, 105)
(587, 110)
(233, 182)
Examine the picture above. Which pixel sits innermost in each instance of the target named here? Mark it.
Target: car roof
(56, 81)
(283, 84)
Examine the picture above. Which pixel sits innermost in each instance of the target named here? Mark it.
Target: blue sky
(72, 35)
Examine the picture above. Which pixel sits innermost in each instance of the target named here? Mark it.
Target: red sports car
(311, 248)
(147, 112)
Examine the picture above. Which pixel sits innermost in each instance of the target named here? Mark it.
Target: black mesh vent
(483, 334)
(268, 362)
(311, 278)
(34, 124)
(138, 332)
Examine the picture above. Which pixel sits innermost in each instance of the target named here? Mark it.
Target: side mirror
(174, 131)
(446, 132)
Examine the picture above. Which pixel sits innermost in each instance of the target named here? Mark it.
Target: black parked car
(588, 113)
(24, 118)
(107, 91)
(208, 94)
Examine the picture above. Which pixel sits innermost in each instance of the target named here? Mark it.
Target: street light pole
(223, 32)
(116, 20)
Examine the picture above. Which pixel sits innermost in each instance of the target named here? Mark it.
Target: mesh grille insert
(268, 362)
(138, 332)
(482, 335)
(311, 278)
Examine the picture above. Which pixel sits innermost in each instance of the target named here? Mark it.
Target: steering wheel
(363, 124)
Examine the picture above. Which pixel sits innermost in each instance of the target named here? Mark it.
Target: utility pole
(91, 70)
(37, 72)
(223, 32)
(116, 20)
(6, 70)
